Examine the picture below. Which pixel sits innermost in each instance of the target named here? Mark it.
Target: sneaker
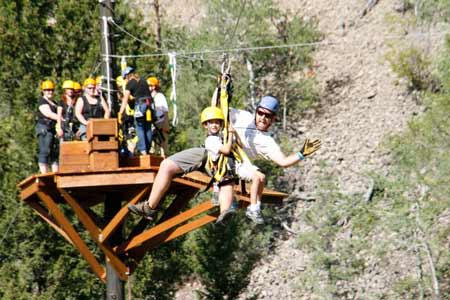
(226, 216)
(143, 209)
(255, 216)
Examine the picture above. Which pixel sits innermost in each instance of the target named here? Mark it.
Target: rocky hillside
(362, 102)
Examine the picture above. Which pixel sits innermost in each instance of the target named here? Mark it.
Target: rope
(173, 94)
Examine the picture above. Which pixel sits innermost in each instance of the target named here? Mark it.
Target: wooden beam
(158, 229)
(120, 216)
(183, 197)
(140, 251)
(29, 189)
(104, 179)
(94, 231)
(43, 213)
(188, 227)
(72, 233)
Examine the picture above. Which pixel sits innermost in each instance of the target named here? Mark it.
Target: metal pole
(106, 47)
(114, 286)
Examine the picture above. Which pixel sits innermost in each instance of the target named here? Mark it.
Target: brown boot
(143, 209)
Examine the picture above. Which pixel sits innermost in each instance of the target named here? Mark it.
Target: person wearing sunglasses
(252, 130)
(47, 129)
(66, 111)
(89, 106)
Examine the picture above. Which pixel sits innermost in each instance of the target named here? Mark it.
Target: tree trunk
(157, 24)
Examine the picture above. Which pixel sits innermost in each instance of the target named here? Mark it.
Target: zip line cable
(228, 50)
(111, 20)
(238, 19)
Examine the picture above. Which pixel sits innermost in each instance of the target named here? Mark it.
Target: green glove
(309, 147)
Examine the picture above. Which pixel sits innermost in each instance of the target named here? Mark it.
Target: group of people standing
(143, 109)
(65, 120)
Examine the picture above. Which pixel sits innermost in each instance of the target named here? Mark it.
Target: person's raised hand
(309, 147)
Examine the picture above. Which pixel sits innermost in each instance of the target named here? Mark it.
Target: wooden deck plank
(94, 231)
(120, 216)
(104, 179)
(72, 233)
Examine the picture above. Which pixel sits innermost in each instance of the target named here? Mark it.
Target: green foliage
(433, 10)
(60, 40)
(408, 214)
(223, 256)
(413, 65)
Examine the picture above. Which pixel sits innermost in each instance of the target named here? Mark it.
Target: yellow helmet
(120, 81)
(98, 80)
(47, 85)
(153, 81)
(76, 86)
(89, 81)
(68, 84)
(211, 113)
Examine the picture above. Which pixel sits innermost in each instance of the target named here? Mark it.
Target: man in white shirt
(253, 133)
(162, 113)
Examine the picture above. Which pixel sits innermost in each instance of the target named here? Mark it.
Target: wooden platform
(83, 190)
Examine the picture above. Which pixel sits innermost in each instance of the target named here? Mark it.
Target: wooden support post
(42, 212)
(120, 216)
(94, 232)
(72, 233)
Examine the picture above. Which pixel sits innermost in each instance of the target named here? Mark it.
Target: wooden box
(103, 160)
(106, 127)
(143, 161)
(74, 156)
(103, 142)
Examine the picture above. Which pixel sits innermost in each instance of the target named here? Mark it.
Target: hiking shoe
(255, 216)
(226, 216)
(143, 209)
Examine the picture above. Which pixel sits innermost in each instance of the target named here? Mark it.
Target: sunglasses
(48, 90)
(267, 115)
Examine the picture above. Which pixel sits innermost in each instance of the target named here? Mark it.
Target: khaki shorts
(189, 160)
(246, 170)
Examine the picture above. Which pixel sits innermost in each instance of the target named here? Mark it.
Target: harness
(92, 110)
(224, 169)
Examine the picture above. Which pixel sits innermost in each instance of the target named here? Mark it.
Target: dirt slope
(363, 103)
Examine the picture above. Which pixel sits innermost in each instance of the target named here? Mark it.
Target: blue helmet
(127, 71)
(270, 103)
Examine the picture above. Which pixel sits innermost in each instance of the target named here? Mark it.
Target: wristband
(300, 155)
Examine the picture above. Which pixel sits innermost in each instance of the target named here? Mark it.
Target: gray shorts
(189, 160)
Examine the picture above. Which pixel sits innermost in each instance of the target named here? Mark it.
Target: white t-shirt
(213, 143)
(161, 106)
(244, 170)
(255, 143)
